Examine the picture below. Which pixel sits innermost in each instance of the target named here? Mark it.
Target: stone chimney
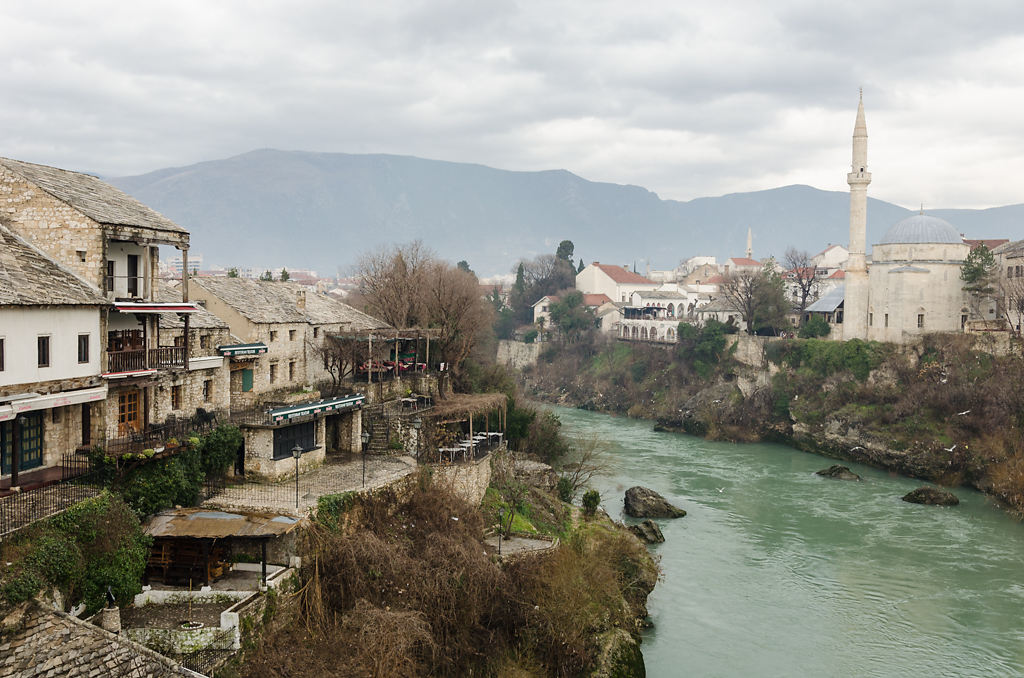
(300, 300)
(109, 619)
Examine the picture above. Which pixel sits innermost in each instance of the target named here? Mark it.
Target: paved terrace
(341, 474)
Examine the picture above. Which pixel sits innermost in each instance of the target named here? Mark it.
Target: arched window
(643, 333)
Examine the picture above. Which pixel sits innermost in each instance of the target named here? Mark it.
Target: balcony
(136, 360)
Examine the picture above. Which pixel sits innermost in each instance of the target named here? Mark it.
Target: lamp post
(365, 437)
(417, 424)
(501, 524)
(296, 452)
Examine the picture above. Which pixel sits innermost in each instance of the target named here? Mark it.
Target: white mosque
(912, 285)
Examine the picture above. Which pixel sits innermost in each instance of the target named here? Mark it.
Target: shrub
(591, 500)
(814, 328)
(564, 489)
(530, 337)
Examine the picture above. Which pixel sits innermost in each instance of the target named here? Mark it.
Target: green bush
(330, 507)
(219, 449)
(530, 337)
(814, 328)
(96, 543)
(591, 500)
(564, 489)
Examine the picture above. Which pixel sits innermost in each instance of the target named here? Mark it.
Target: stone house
(280, 330)
(111, 241)
(50, 383)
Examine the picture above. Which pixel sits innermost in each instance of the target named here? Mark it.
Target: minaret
(855, 305)
(750, 243)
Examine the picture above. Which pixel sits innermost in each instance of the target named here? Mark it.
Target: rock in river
(931, 495)
(644, 503)
(648, 531)
(838, 472)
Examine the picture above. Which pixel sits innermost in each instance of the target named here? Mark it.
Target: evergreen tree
(565, 250)
(232, 272)
(266, 275)
(582, 266)
(284, 275)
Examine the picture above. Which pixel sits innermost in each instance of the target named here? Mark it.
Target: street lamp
(296, 452)
(365, 437)
(501, 524)
(417, 424)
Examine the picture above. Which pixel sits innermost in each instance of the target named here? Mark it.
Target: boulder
(838, 472)
(932, 496)
(648, 531)
(644, 503)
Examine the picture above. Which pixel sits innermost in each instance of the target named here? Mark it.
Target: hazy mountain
(321, 210)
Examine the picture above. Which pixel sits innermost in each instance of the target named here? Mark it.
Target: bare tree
(453, 305)
(805, 281)
(759, 296)
(392, 280)
(584, 461)
(1011, 293)
(341, 356)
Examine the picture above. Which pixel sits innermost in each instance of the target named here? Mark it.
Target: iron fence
(208, 659)
(159, 435)
(78, 481)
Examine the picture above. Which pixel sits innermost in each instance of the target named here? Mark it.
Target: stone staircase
(378, 437)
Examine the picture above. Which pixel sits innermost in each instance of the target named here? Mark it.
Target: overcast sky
(687, 99)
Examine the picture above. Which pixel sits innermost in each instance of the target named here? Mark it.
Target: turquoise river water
(778, 572)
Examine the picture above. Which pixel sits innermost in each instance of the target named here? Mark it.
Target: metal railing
(78, 481)
(159, 435)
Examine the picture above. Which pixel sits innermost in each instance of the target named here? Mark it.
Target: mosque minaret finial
(855, 301)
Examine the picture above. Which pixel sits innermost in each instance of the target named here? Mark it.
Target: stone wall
(468, 480)
(65, 234)
(516, 354)
(192, 385)
(750, 349)
(259, 453)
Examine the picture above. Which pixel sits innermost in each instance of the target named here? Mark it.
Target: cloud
(684, 99)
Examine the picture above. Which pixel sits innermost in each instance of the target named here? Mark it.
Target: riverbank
(942, 411)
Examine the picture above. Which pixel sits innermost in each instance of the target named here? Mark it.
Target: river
(779, 572)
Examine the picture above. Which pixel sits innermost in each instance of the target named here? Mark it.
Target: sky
(687, 99)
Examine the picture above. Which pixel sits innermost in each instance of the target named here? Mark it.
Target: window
(86, 424)
(291, 371)
(204, 341)
(246, 380)
(316, 332)
(81, 255)
(886, 319)
(963, 320)
(291, 335)
(1009, 271)
(2, 354)
(273, 372)
(133, 275)
(207, 390)
(273, 335)
(288, 437)
(83, 348)
(43, 351)
(871, 319)
(920, 319)
(176, 397)
(1016, 272)
(110, 275)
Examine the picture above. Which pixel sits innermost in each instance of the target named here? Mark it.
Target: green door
(31, 439)
(246, 380)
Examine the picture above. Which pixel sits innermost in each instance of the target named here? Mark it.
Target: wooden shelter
(462, 409)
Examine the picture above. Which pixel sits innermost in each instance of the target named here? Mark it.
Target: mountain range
(269, 208)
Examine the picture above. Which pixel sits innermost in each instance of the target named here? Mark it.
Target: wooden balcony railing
(142, 359)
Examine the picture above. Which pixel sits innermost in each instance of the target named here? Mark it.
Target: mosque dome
(921, 228)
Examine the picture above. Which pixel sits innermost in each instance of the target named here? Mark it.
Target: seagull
(721, 489)
(950, 449)
(854, 449)
(960, 414)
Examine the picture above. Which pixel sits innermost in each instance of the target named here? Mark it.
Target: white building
(617, 282)
(49, 360)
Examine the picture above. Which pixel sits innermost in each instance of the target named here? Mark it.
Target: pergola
(393, 337)
(462, 408)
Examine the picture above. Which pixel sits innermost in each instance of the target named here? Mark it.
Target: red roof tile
(990, 243)
(743, 261)
(622, 275)
(595, 299)
(838, 275)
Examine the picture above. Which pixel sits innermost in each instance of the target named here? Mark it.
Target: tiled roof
(838, 275)
(714, 280)
(595, 299)
(990, 243)
(96, 199)
(44, 642)
(29, 278)
(276, 302)
(743, 261)
(622, 275)
(201, 320)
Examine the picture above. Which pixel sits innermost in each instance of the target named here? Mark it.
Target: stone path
(333, 477)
